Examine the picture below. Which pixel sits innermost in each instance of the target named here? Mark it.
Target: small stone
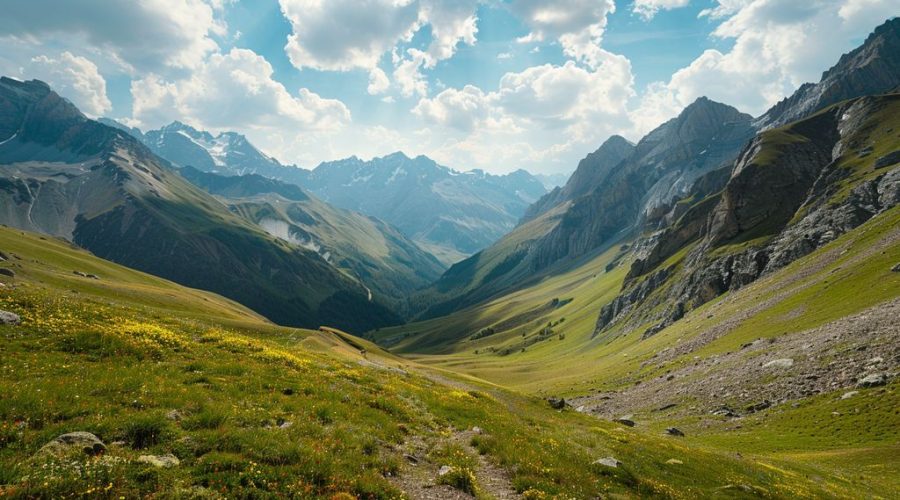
(161, 461)
(674, 431)
(674, 461)
(848, 395)
(896, 268)
(287, 424)
(874, 380)
(608, 462)
(8, 318)
(444, 470)
(476, 430)
(780, 363)
(670, 377)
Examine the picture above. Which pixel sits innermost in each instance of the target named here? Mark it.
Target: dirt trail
(419, 475)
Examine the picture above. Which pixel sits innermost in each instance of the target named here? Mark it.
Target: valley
(709, 308)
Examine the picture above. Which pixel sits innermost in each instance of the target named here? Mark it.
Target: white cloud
(408, 76)
(452, 22)
(460, 109)
(73, 77)
(778, 45)
(345, 34)
(378, 82)
(235, 91)
(648, 8)
(150, 35)
(577, 25)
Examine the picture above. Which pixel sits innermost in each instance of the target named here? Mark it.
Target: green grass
(265, 411)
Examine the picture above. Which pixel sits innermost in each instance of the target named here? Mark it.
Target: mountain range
(67, 176)
(451, 214)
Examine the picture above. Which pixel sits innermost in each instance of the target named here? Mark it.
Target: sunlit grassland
(265, 411)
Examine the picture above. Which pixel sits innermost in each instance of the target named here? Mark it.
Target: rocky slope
(68, 176)
(872, 68)
(591, 173)
(793, 190)
(377, 254)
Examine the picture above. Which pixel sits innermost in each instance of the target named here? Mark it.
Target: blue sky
(491, 84)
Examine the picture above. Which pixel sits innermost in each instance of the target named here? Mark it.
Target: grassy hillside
(249, 409)
(830, 312)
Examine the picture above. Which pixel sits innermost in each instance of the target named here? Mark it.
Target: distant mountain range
(451, 214)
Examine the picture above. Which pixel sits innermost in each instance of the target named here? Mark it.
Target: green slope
(265, 411)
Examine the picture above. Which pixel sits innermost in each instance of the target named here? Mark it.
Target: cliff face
(872, 68)
(792, 190)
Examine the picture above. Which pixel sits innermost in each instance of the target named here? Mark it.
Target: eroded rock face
(783, 201)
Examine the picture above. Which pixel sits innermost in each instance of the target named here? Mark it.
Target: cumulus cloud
(378, 82)
(408, 75)
(346, 34)
(648, 8)
(578, 25)
(73, 77)
(235, 91)
(150, 35)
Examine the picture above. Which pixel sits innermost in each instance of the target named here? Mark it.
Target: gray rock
(476, 430)
(674, 431)
(161, 461)
(444, 470)
(608, 462)
(780, 363)
(888, 160)
(5, 271)
(873, 380)
(8, 318)
(557, 403)
(624, 421)
(896, 268)
(74, 442)
(850, 394)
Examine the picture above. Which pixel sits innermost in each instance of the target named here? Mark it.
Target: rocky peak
(872, 68)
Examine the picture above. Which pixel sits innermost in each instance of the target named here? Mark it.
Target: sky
(491, 84)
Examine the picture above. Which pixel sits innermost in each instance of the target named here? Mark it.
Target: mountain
(450, 213)
(65, 175)
(606, 200)
(793, 190)
(364, 247)
(227, 153)
(591, 173)
(872, 68)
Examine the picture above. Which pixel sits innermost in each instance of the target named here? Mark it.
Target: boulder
(8, 318)
(674, 431)
(161, 461)
(608, 462)
(4, 271)
(780, 363)
(624, 421)
(873, 380)
(557, 403)
(74, 442)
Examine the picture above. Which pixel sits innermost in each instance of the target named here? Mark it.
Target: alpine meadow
(450, 249)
